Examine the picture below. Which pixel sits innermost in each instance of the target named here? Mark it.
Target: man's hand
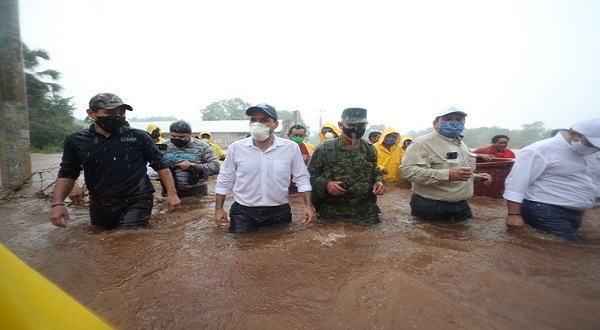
(384, 171)
(378, 188)
(460, 173)
(57, 214)
(308, 215)
(485, 157)
(514, 221)
(221, 218)
(77, 195)
(334, 188)
(484, 177)
(172, 202)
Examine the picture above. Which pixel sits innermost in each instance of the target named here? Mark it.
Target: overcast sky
(506, 63)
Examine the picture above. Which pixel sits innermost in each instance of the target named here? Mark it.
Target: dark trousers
(429, 209)
(132, 213)
(244, 219)
(552, 219)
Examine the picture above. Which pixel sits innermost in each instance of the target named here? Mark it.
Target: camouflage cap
(270, 110)
(107, 101)
(354, 115)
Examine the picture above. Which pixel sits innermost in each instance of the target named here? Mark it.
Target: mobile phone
(452, 155)
(162, 147)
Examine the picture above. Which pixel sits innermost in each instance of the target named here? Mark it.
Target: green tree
(233, 109)
(50, 115)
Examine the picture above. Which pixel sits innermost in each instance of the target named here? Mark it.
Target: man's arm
(513, 217)
(59, 216)
(308, 214)
(172, 201)
(220, 214)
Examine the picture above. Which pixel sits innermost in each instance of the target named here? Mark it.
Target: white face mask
(205, 140)
(582, 149)
(259, 131)
(329, 136)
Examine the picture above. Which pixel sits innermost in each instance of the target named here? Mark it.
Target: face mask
(582, 149)
(155, 134)
(205, 140)
(389, 142)
(354, 133)
(451, 128)
(259, 131)
(111, 124)
(179, 143)
(298, 140)
(329, 136)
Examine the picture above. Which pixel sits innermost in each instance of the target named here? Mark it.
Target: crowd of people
(549, 187)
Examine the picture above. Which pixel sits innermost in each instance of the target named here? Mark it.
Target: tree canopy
(233, 109)
(50, 114)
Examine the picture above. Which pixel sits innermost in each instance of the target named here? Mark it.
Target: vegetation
(234, 109)
(50, 114)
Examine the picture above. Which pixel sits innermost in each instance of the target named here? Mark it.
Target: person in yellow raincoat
(329, 131)
(405, 141)
(389, 154)
(206, 136)
(155, 132)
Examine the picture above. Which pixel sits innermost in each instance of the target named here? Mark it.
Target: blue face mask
(389, 142)
(451, 128)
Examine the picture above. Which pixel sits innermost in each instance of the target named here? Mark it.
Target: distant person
(374, 136)
(297, 133)
(192, 161)
(389, 155)
(551, 183)
(497, 149)
(405, 141)
(328, 132)
(113, 157)
(258, 169)
(206, 137)
(441, 170)
(155, 133)
(344, 173)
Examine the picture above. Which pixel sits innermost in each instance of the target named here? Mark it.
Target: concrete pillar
(15, 161)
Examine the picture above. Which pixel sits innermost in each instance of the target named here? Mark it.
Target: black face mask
(179, 143)
(354, 133)
(155, 133)
(111, 124)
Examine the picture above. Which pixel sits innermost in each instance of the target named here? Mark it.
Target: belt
(264, 210)
(116, 200)
(441, 202)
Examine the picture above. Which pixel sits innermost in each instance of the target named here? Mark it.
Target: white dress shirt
(551, 172)
(262, 178)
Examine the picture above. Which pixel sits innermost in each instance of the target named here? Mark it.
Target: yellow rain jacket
(218, 151)
(390, 159)
(151, 129)
(332, 126)
(404, 138)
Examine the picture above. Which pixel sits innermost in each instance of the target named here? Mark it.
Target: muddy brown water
(184, 273)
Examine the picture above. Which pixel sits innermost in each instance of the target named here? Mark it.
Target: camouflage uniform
(356, 167)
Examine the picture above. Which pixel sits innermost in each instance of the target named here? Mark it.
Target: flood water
(184, 273)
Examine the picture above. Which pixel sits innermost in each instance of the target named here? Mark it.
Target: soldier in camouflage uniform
(344, 174)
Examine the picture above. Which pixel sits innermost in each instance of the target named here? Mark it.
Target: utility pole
(15, 161)
(320, 114)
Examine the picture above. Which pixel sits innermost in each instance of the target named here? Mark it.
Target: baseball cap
(354, 115)
(270, 110)
(449, 110)
(181, 126)
(107, 101)
(590, 128)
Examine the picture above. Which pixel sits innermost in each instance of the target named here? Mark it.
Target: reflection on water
(183, 272)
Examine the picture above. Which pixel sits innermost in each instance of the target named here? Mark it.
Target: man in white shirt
(258, 169)
(551, 183)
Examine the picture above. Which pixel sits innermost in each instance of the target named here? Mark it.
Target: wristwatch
(193, 165)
